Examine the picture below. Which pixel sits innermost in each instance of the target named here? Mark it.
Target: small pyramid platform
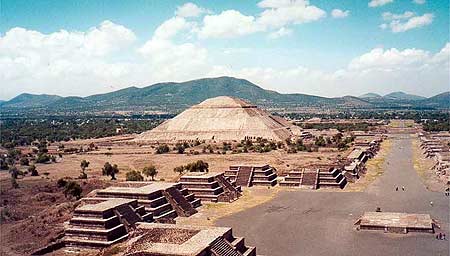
(252, 175)
(220, 119)
(212, 187)
(164, 200)
(105, 223)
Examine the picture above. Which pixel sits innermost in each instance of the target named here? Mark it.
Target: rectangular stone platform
(395, 222)
(178, 240)
(164, 200)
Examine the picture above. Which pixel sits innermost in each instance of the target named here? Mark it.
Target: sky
(319, 47)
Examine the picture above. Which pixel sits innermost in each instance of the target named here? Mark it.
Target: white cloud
(419, 1)
(398, 26)
(377, 3)
(170, 28)
(280, 33)
(338, 13)
(377, 70)
(76, 63)
(189, 10)
(166, 59)
(392, 16)
(379, 58)
(276, 14)
(228, 24)
(63, 61)
(281, 13)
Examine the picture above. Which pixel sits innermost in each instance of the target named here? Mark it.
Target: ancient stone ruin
(163, 200)
(213, 187)
(220, 119)
(394, 222)
(252, 175)
(321, 178)
(177, 240)
(105, 223)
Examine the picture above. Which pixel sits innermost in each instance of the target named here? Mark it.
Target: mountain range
(392, 96)
(173, 97)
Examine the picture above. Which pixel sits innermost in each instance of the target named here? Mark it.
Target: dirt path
(321, 223)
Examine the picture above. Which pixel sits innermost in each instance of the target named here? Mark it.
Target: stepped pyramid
(221, 119)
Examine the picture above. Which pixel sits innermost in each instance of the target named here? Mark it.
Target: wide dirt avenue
(322, 222)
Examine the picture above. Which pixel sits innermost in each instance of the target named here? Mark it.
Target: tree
(32, 169)
(3, 164)
(14, 183)
(180, 148)
(73, 189)
(134, 176)
(179, 169)
(84, 165)
(150, 171)
(24, 161)
(162, 149)
(43, 158)
(14, 172)
(198, 166)
(110, 170)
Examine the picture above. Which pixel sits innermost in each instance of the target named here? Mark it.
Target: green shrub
(134, 176)
(162, 149)
(61, 183)
(73, 189)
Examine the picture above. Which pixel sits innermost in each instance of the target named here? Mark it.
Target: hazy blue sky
(328, 48)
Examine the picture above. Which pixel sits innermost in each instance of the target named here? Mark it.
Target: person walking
(443, 236)
(403, 188)
(396, 189)
(431, 203)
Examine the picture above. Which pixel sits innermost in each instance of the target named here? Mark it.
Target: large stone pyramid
(220, 119)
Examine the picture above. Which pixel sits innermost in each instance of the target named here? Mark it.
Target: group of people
(447, 192)
(441, 236)
(403, 188)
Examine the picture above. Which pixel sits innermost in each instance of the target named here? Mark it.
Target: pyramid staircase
(103, 224)
(331, 178)
(244, 175)
(229, 245)
(213, 187)
(293, 179)
(181, 205)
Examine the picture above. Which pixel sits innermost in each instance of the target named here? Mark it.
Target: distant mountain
(402, 96)
(370, 95)
(441, 100)
(173, 97)
(26, 100)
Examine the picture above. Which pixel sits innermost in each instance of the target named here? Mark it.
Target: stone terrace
(164, 200)
(396, 222)
(330, 177)
(177, 240)
(105, 223)
(252, 175)
(214, 187)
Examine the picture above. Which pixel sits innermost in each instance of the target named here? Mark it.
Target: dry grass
(131, 157)
(375, 169)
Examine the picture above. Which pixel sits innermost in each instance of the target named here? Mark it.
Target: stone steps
(91, 243)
